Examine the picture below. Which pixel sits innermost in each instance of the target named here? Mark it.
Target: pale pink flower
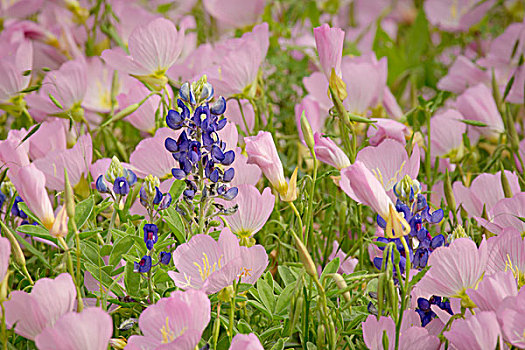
(19, 8)
(384, 129)
(477, 103)
(455, 15)
(235, 13)
(245, 173)
(47, 302)
(144, 117)
(317, 87)
(130, 16)
(389, 162)
(154, 47)
(176, 322)
(195, 63)
(229, 135)
(462, 75)
(262, 152)
(505, 214)
(511, 316)
(245, 119)
(480, 331)
(485, 191)
(210, 266)
(312, 112)
(347, 264)
(238, 62)
(13, 153)
(15, 59)
(151, 157)
(493, 289)
(90, 329)
(51, 136)
(454, 269)
(76, 160)
(30, 184)
(507, 253)
(328, 152)
(329, 42)
(5, 252)
(67, 85)
(390, 104)
(253, 210)
(411, 337)
(446, 134)
(246, 342)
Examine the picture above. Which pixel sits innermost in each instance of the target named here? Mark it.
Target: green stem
(296, 212)
(150, 287)
(309, 215)
(77, 242)
(80, 304)
(216, 326)
(232, 312)
(113, 219)
(4, 330)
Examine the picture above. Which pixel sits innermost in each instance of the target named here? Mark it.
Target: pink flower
(253, 210)
(235, 13)
(411, 337)
(19, 8)
(507, 252)
(5, 252)
(462, 75)
(238, 62)
(13, 153)
(454, 269)
(446, 134)
(328, 152)
(76, 160)
(477, 103)
(317, 87)
(358, 182)
(505, 214)
(480, 331)
(485, 191)
(493, 289)
(47, 302)
(67, 85)
(210, 266)
(312, 111)
(30, 184)
(262, 152)
(151, 157)
(387, 129)
(89, 330)
(246, 342)
(176, 322)
(511, 315)
(154, 48)
(144, 117)
(245, 173)
(347, 264)
(455, 15)
(15, 59)
(51, 136)
(329, 42)
(389, 162)
(245, 119)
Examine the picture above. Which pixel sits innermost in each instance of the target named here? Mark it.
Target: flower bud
(226, 294)
(507, 191)
(305, 257)
(118, 343)
(341, 284)
(126, 111)
(59, 228)
(338, 86)
(307, 133)
(289, 193)
(69, 197)
(16, 251)
(115, 170)
(449, 194)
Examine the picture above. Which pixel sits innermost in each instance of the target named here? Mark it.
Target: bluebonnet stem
(203, 159)
(416, 211)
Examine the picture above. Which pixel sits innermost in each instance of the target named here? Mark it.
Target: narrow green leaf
(121, 247)
(36, 231)
(83, 211)
(472, 122)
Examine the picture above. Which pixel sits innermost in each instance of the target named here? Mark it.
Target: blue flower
(144, 265)
(15, 211)
(150, 235)
(165, 258)
(121, 186)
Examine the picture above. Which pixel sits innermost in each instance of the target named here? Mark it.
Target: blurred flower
(246, 342)
(31, 313)
(5, 252)
(90, 329)
(235, 13)
(456, 15)
(462, 75)
(506, 214)
(15, 61)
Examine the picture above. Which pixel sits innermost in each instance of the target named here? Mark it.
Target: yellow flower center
(206, 268)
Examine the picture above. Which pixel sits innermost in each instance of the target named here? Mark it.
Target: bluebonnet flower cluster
(424, 308)
(416, 211)
(203, 161)
(119, 178)
(152, 198)
(151, 236)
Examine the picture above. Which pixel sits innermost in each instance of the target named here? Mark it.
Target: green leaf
(286, 274)
(29, 134)
(83, 211)
(418, 39)
(36, 231)
(472, 122)
(176, 189)
(418, 276)
(22, 206)
(284, 300)
(331, 267)
(279, 345)
(121, 247)
(175, 223)
(103, 277)
(33, 250)
(266, 294)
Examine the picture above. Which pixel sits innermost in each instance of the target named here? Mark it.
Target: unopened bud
(338, 86)
(341, 284)
(321, 335)
(307, 133)
(226, 294)
(289, 194)
(507, 191)
(69, 197)
(118, 343)
(16, 251)
(4, 287)
(449, 193)
(305, 257)
(59, 228)
(126, 111)
(115, 170)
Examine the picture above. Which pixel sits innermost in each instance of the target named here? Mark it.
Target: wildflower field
(262, 174)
